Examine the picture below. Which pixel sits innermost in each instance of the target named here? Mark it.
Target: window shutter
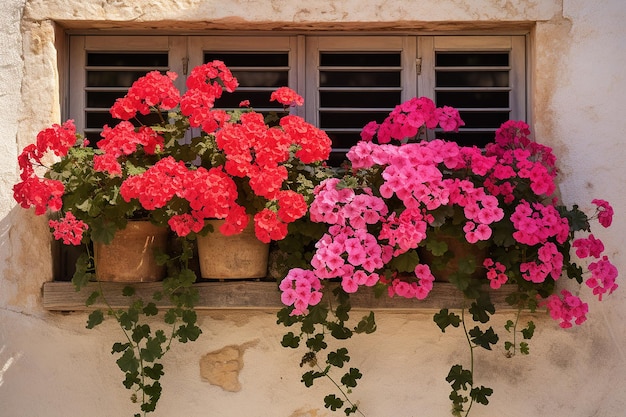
(108, 67)
(261, 64)
(355, 81)
(480, 76)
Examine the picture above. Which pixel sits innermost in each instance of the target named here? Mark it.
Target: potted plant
(179, 163)
(405, 196)
(252, 173)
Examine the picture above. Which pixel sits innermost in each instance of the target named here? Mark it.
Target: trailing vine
(323, 320)
(140, 352)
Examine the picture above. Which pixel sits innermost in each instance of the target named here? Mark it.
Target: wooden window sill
(251, 295)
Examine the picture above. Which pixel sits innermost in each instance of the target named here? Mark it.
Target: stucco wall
(50, 365)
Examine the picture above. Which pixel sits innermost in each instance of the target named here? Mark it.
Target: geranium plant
(406, 199)
(176, 160)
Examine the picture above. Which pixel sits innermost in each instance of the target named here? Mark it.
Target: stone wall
(50, 365)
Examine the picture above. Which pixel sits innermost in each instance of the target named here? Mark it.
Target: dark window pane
(256, 98)
(359, 78)
(127, 59)
(244, 59)
(96, 120)
(344, 140)
(103, 99)
(343, 119)
(473, 59)
(484, 119)
(473, 99)
(93, 137)
(113, 78)
(359, 99)
(262, 79)
(371, 59)
(472, 79)
(336, 158)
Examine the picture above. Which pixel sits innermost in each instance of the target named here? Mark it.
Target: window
(347, 81)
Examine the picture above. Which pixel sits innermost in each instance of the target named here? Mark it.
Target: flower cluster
(566, 309)
(251, 150)
(409, 119)
(402, 196)
(43, 193)
(238, 166)
(412, 210)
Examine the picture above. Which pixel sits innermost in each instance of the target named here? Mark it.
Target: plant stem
(135, 346)
(519, 312)
(339, 388)
(469, 343)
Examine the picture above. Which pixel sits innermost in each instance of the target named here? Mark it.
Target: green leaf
(316, 343)
(405, 262)
(350, 410)
(437, 247)
(575, 271)
(154, 393)
(459, 377)
(103, 231)
(482, 308)
(443, 319)
(317, 315)
(457, 403)
(95, 317)
(132, 378)
(189, 317)
(367, 324)
(483, 339)
(460, 280)
(152, 351)
(140, 332)
(128, 362)
(350, 378)
(577, 219)
(119, 347)
(332, 402)
(508, 346)
(92, 298)
(509, 325)
(127, 319)
(283, 316)
(480, 394)
(189, 332)
(309, 377)
(290, 340)
(342, 311)
(150, 310)
(170, 316)
(83, 273)
(154, 372)
(529, 331)
(339, 332)
(524, 348)
(128, 291)
(338, 358)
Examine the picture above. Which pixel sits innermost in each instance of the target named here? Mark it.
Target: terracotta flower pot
(130, 256)
(238, 256)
